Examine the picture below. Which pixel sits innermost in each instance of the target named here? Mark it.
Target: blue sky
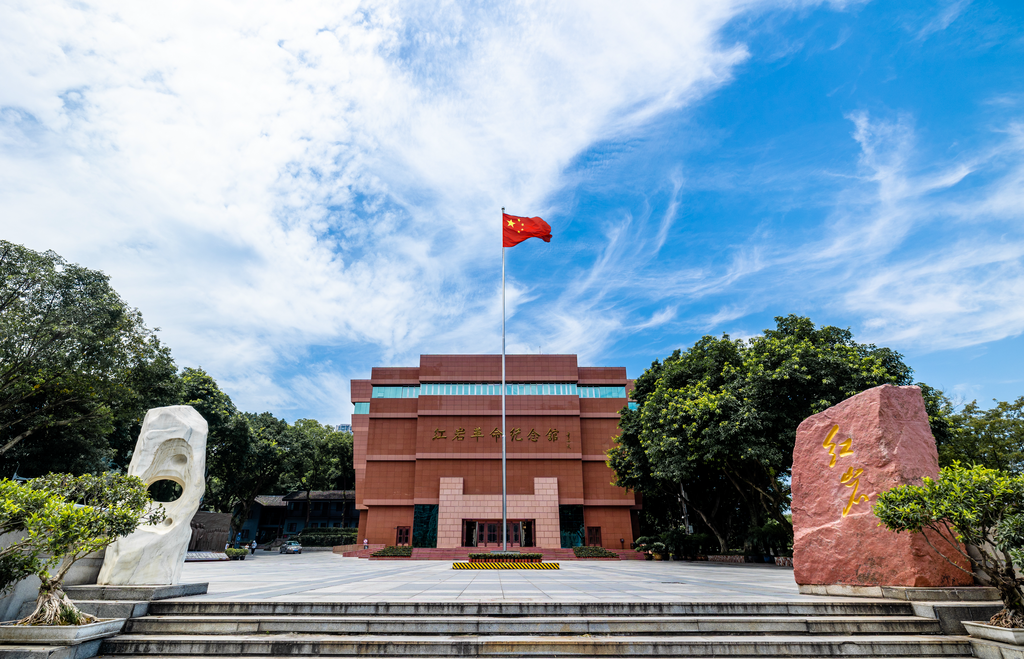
(294, 196)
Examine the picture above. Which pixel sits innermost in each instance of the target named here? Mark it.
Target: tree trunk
(308, 506)
(53, 607)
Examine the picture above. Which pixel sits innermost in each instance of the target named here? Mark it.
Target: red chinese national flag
(516, 229)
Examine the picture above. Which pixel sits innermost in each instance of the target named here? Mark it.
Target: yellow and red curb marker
(504, 565)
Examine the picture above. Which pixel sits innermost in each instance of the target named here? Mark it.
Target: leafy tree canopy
(992, 438)
(74, 360)
(719, 420)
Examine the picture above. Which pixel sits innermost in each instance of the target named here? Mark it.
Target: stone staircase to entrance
(505, 629)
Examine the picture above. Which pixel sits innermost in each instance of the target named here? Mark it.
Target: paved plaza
(324, 576)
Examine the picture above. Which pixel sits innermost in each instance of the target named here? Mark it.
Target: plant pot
(659, 557)
(59, 634)
(648, 557)
(1009, 635)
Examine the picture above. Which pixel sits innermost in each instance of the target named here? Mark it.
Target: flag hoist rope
(504, 504)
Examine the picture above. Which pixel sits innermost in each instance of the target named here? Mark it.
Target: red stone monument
(843, 458)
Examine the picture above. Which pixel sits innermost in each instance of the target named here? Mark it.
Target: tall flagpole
(504, 503)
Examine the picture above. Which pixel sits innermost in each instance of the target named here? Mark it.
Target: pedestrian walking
(252, 549)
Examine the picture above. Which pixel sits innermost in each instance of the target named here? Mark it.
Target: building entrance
(487, 533)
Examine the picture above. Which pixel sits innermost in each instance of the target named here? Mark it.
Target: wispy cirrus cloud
(265, 179)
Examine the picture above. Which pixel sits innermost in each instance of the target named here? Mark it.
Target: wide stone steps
(847, 608)
(536, 646)
(534, 625)
(852, 628)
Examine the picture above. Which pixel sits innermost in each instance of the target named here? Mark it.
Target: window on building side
(362, 408)
(291, 527)
(395, 392)
(602, 392)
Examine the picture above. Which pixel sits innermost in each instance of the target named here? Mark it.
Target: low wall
(84, 571)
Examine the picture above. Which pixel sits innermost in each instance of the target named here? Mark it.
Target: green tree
(255, 467)
(993, 437)
(66, 340)
(974, 505)
(720, 419)
(228, 438)
(76, 516)
(315, 457)
(74, 362)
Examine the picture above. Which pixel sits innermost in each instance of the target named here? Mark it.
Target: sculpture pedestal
(135, 592)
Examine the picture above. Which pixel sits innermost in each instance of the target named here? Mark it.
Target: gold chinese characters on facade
(851, 477)
(514, 435)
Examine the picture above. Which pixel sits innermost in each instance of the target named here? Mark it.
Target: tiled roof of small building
(321, 495)
(271, 500)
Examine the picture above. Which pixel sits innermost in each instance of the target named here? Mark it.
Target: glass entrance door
(469, 528)
(487, 533)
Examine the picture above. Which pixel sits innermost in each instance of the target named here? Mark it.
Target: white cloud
(260, 178)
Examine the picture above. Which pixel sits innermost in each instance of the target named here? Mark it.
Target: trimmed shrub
(505, 556)
(328, 537)
(404, 552)
(593, 552)
(236, 554)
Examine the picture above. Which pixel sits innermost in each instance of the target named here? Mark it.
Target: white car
(291, 547)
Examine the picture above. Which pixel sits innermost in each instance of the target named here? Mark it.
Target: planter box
(1011, 635)
(726, 558)
(784, 561)
(59, 635)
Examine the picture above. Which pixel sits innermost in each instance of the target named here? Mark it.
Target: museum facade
(427, 453)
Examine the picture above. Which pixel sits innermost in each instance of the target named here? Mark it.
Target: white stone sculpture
(171, 446)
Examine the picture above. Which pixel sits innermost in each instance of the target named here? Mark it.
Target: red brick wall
(597, 435)
(361, 390)
(487, 368)
(602, 375)
(614, 522)
(383, 520)
(597, 477)
(392, 437)
(389, 481)
(484, 477)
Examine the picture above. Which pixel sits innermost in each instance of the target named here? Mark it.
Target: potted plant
(61, 519)
(236, 554)
(658, 549)
(643, 545)
(974, 506)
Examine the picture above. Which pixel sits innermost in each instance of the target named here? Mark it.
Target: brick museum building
(428, 453)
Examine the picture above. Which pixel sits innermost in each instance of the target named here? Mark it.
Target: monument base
(906, 593)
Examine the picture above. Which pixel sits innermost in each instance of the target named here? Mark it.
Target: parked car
(291, 547)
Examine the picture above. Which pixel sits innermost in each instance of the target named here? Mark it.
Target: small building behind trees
(275, 516)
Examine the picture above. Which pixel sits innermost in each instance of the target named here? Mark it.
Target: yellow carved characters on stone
(438, 434)
(460, 435)
(477, 433)
(533, 436)
(851, 477)
(496, 434)
(513, 435)
(553, 435)
(844, 447)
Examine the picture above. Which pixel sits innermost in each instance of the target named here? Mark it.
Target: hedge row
(593, 552)
(394, 551)
(328, 537)
(510, 556)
